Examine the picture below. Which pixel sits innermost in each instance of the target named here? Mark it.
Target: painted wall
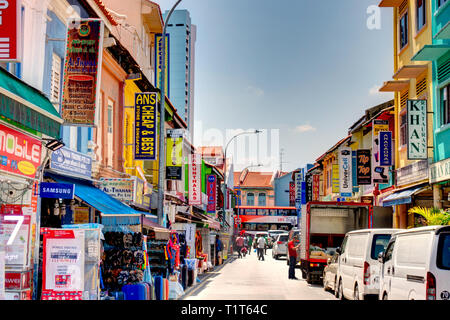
(281, 189)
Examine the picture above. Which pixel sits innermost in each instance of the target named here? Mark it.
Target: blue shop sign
(386, 148)
(56, 190)
(72, 163)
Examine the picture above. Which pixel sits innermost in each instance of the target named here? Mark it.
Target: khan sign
(10, 33)
(416, 114)
(145, 126)
(345, 172)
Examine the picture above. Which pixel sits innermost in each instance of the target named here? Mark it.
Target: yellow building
(412, 80)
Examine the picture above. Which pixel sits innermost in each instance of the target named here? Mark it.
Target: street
(250, 279)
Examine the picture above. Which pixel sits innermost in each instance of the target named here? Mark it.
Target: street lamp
(225, 197)
(162, 155)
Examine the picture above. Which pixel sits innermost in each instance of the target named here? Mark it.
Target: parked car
(280, 246)
(416, 265)
(358, 265)
(275, 233)
(292, 233)
(330, 273)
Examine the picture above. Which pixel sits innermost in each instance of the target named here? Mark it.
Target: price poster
(63, 268)
(14, 237)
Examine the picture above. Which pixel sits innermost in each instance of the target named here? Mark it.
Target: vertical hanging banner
(309, 187)
(292, 193)
(159, 62)
(174, 153)
(298, 188)
(145, 117)
(82, 70)
(316, 187)
(416, 114)
(10, 33)
(195, 179)
(211, 191)
(335, 178)
(354, 172)
(380, 174)
(345, 172)
(386, 148)
(364, 168)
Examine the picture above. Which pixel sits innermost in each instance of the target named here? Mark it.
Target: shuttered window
(445, 104)
(55, 88)
(421, 86)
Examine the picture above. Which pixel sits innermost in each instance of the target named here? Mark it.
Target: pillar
(437, 196)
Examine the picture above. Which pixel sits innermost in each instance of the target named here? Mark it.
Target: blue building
(439, 54)
(182, 35)
(281, 188)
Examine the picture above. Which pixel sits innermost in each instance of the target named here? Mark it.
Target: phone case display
(123, 260)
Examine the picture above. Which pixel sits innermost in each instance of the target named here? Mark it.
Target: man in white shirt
(261, 244)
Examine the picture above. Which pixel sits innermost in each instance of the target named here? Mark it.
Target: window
(55, 86)
(389, 250)
(445, 105)
(262, 199)
(379, 243)
(404, 30)
(443, 257)
(440, 3)
(421, 14)
(403, 128)
(110, 122)
(250, 199)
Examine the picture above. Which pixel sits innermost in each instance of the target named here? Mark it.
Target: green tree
(433, 216)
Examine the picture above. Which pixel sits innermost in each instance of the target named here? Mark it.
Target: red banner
(10, 13)
(316, 187)
(19, 153)
(292, 193)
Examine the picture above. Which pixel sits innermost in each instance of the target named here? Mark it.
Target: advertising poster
(416, 114)
(364, 169)
(174, 154)
(145, 126)
(380, 174)
(211, 191)
(82, 68)
(14, 238)
(10, 33)
(386, 148)
(292, 194)
(19, 153)
(159, 63)
(195, 179)
(316, 187)
(71, 162)
(335, 179)
(345, 172)
(81, 215)
(63, 261)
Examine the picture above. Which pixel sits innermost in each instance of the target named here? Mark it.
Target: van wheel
(356, 293)
(340, 291)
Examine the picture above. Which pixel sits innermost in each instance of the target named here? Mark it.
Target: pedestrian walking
(292, 256)
(239, 245)
(219, 248)
(261, 244)
(250, 244)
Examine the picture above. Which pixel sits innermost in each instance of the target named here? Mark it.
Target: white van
(416, 265)
(358, 265)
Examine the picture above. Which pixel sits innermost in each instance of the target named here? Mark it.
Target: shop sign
(82, 69)
(335, 183)
(379, 173)
(81, 215)
(386, 148)
(309, 188)
(268, 219)
(440, 171)
(414, 172)
(71, 163)
(195, 176)
(14, 237)
(316, 187)
(17, 280)
(367, 199)
(145, 126)
(56, 190)
(299, 177)
(364, 171)
(345, 172)
(174, 154)
(416, 114)
(63, 262)
(159, 62)
(19, 153)
(10, 33)
(291, 194)
(127, 190)
(354, 172)
(211, 189)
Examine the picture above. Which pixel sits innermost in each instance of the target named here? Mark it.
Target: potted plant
(431, 216)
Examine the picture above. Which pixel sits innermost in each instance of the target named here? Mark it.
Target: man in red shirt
(292, 256)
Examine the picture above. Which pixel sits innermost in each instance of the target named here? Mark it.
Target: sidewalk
(206, 275)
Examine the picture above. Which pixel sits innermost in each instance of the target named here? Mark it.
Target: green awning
(431, 52)
(28, 106)
(444, 33)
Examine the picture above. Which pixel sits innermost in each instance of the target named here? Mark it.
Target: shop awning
(390, 3)
(148, 223)
(28, 106)
(431, 52)
(393, 86)
(401, 197)
(410, 71)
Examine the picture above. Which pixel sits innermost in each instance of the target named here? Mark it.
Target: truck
(323, 226)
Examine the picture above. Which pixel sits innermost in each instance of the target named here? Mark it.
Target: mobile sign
(56, 190)
(145, 126)
(10, 33)
(416, 115)
(345, 172)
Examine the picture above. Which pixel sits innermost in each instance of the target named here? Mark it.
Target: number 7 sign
(19, 223)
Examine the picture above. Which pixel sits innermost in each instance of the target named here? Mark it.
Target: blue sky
(307, 68)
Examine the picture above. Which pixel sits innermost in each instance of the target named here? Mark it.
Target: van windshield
(379, 244)
(444, 251)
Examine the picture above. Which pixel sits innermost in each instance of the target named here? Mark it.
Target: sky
(300, 70)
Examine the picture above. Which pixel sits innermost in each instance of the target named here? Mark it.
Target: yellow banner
(174, 156)
(335, 179)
